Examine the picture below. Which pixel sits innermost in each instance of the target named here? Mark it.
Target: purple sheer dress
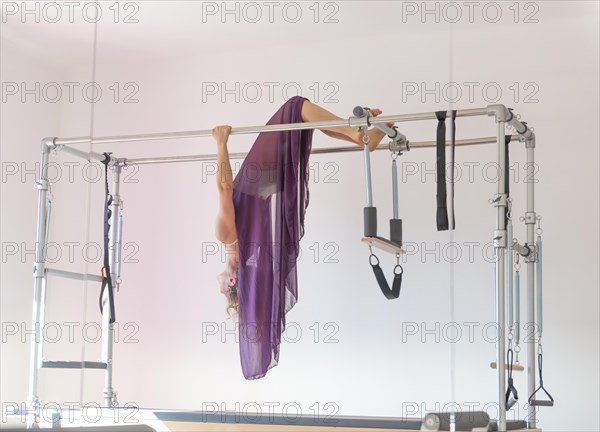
(269, 232)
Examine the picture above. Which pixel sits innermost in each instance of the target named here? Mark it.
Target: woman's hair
(228, 287)
(232, 302)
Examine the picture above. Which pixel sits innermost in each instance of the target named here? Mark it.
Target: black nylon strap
(394, 292)
(106, 279)
(534, 402)
(512, 396)
(442, 210)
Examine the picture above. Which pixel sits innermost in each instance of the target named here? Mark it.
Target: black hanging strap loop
(512, 396)
(442, 210)
(394, 292)
(537, 402)
(106, 277)
(441, 196)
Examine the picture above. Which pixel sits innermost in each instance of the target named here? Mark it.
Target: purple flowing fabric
(269, 236)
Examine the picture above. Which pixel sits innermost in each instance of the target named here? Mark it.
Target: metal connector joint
(48, 143)
(499, 200)
(530, 218)
(41, 184)
(500, 238)
(499, 111)
(532, 257)
(39, 269)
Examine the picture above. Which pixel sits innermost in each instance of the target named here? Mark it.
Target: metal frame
(503, 117)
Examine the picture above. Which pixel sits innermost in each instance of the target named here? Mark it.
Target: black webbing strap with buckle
(536, 402)
(106, 278)
(389, 293)
(441, 196)
(511, 392)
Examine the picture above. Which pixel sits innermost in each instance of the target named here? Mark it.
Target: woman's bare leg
(312, 112)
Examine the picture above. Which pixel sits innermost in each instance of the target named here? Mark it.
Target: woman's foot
(375, 135)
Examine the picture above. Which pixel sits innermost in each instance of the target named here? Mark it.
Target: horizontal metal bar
(85, 155)
(211, 157)
(61, 364)
(80, 153)
(73, 275)
(265, 128)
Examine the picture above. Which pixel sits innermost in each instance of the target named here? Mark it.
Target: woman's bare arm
(225, 225)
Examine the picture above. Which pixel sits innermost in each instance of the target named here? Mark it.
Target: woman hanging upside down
(261, 239)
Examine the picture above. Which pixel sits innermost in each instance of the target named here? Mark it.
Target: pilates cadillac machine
(506, 294)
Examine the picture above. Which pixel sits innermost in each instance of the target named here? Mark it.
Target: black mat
(291, 420)
(115, 428)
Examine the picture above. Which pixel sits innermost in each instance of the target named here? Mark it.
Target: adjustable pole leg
(39, 275)
(114, 256)
(530, 220)
(509, 276)
(499, 247)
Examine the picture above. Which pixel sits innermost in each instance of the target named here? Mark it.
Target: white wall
(370, 365)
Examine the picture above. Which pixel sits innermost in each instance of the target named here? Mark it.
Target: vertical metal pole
(509, 275)
(119, 246)
(395, 188)
(39, 275)
(530, 219)
(500, 244)
(42, 317)
(369, 192)
(517, 307)
(107, 327)
(538, 286)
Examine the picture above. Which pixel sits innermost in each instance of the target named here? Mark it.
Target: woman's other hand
(221, 133)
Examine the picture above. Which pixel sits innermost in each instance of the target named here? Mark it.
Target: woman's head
(228, 285)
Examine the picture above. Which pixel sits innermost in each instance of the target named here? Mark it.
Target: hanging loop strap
(442, 206)
(536, 402)
(106, 277)
(512, 396)
(394, 292)
(442, 210)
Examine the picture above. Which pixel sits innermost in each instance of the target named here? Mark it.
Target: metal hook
(366, 138)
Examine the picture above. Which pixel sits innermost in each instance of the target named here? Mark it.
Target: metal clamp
(398, 147)
(499, 200)
(532, 257)
(521, 250)
(39, 269)
(530, 218)
(42, 184)
(361, 118)
(500, 238)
